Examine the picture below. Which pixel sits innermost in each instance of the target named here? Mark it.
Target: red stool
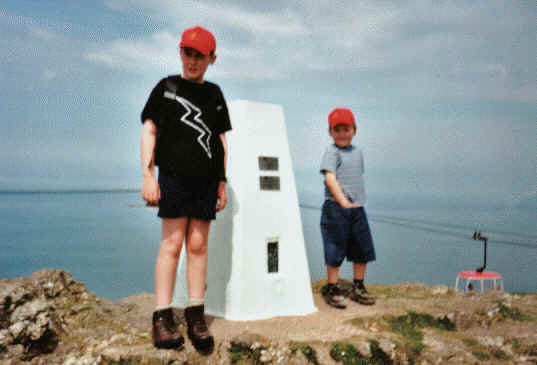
(466, 277)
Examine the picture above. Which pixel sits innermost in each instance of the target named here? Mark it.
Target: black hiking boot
(332, 296)
(166, 333)
(197, 330)
(359, 293)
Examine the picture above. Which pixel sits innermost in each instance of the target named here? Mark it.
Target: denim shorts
(345, 233)
(187, 197)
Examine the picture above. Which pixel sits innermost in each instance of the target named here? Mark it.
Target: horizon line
(63, 191)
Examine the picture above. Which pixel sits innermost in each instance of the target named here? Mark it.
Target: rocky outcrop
(50, 318)
(33, 312)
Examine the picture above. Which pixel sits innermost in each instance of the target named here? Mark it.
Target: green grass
(358, 322)
(481, 355)
(470, 342)
(513, 313)
(378, 356)
(409, 327)
(348, 355)
(483, 352)
(410, 324)
(500, 355)
(308, 351)
(423, 320)
(242, 354)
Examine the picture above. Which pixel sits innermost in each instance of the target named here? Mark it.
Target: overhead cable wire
(448, 232)
(460, 226)
(433, 227)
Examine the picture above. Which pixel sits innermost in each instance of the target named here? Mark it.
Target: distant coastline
(68, 191)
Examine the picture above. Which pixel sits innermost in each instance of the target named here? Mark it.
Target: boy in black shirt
(184, 125)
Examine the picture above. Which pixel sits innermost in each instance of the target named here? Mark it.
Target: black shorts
(187, 197)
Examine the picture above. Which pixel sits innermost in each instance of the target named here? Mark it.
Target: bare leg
(359, 270)
(173, 235)
(196, 248)
(332, 274)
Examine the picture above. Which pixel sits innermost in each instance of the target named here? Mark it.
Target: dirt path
(330, 324)
(327, 324)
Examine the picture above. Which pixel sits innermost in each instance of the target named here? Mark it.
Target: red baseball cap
(200, 39)
(340, 116)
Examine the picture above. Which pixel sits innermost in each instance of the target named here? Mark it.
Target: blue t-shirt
(348, 165)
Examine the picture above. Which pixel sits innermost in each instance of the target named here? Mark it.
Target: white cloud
(49, 75)
(158, 52)
(527, 195)
(495, 71)
(448, 48)
(284, 24)
(42, 34)
(281, 23)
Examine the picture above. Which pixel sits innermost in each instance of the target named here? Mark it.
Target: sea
(109, 240)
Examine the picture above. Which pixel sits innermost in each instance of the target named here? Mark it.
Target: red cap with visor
(200, 39)
(340, 116)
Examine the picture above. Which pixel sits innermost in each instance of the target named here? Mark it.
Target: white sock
(162, 307)
(193, 302)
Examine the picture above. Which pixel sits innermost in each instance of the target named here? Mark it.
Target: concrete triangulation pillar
(257, 259)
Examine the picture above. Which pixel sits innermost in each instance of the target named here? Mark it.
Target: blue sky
(444, 91)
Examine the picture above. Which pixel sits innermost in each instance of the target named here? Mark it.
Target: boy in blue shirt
(344, 225)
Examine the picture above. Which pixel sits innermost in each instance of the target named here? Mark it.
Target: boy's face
(195, 64)
(342, 134)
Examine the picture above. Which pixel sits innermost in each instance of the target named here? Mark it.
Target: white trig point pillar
(257, 259)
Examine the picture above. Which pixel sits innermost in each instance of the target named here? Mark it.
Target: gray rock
(491, 341)
(87, 359)
(388, 347)
(439, 290)
(5, 337)
(28, 317)
(29, 310)
(462, 320)
(53, 282)
(16, 329)
(364, 348)
(30, 321)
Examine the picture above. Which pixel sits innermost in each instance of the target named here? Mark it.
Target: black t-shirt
(189, 118)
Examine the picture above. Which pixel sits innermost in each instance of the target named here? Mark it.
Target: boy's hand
(150, 190)
(338, 194)
(347, 204)
(221, 200)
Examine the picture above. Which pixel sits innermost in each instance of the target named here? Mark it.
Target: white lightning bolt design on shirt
(196, 123)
